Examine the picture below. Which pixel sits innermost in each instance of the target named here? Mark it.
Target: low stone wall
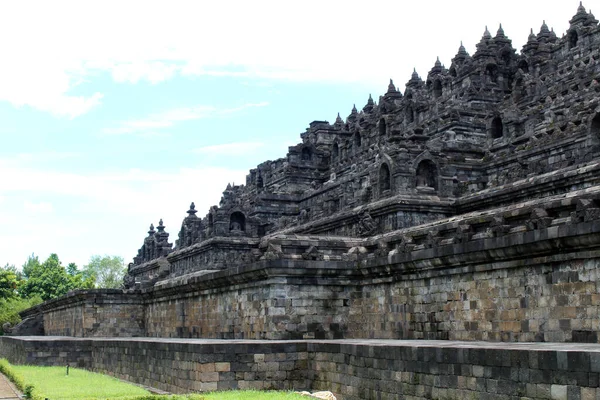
(353, 369)
(100, 312)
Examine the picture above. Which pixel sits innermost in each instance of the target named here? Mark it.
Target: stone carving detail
(464, 233)
(585, 211)
(498, 227)
(432, 239)
(273, 252)
(538, 219)
(312, 253)
(406, 244)
(155, 245)
(366, 225)
(191, 229)
(383, 249)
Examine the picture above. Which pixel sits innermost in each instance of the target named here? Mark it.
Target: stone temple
(464, 208)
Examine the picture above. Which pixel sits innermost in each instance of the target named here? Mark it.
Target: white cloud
(65, 42)
(38, 208)
(153, 123)
(229, 148)
(152, 71)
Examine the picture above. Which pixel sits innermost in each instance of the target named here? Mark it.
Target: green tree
(49, 279)
(9, 282)
(107, 271)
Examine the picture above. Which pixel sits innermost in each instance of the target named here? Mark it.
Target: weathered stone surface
(351, 369)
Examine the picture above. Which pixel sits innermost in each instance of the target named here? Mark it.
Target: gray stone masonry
(352, 369)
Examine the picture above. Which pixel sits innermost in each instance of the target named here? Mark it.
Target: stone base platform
(353, 369)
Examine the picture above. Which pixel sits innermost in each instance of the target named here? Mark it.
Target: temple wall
(537, 300)
(95, 313)
(271, 308)
(353, 370)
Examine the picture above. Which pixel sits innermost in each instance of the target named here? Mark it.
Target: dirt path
(7, 389)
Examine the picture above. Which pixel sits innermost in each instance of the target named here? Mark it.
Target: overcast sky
(114, 114)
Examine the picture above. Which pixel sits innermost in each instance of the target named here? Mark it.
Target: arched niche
(437, 88)
(385, 178)
(524, 66)
(357, 140)
(427, 175)
(497, 128)
(492, 71)
(595, 127)
(573, 39)
(410, 115)
(382, 127)
(306, 154)
(237, 222)
(335, 152)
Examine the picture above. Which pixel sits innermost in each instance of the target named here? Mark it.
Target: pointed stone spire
(415, 79)
(484, 46)
(338, 119)
(370, 105)
(532, 44)
(531, 37)
(486, 34)
(353, 114)
(192, 210)
(500, 33)
(151, 232)
(391, 87)
(160, 227)
(544, 29)
(580, 17)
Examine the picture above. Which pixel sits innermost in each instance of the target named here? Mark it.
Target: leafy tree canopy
(51, 279)
(107, 271)
(9, 281)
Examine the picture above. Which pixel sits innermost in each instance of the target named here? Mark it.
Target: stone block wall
(273, 308)
(102, 312)
(352, 369)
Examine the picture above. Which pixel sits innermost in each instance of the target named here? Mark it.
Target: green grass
(53, 383)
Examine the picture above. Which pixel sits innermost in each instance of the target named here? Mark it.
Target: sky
(114, 114)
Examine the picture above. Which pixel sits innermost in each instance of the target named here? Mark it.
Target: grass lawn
(53, 383)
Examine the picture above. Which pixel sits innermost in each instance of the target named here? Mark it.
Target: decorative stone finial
(544, 29)
(500, 32)
(151, 231)
(370, 101)
(160, 227)
(437, 62)
(414, 74)
(339, 119)
(391, 87)
(487, 34)
(354, 110)
(192, 210)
